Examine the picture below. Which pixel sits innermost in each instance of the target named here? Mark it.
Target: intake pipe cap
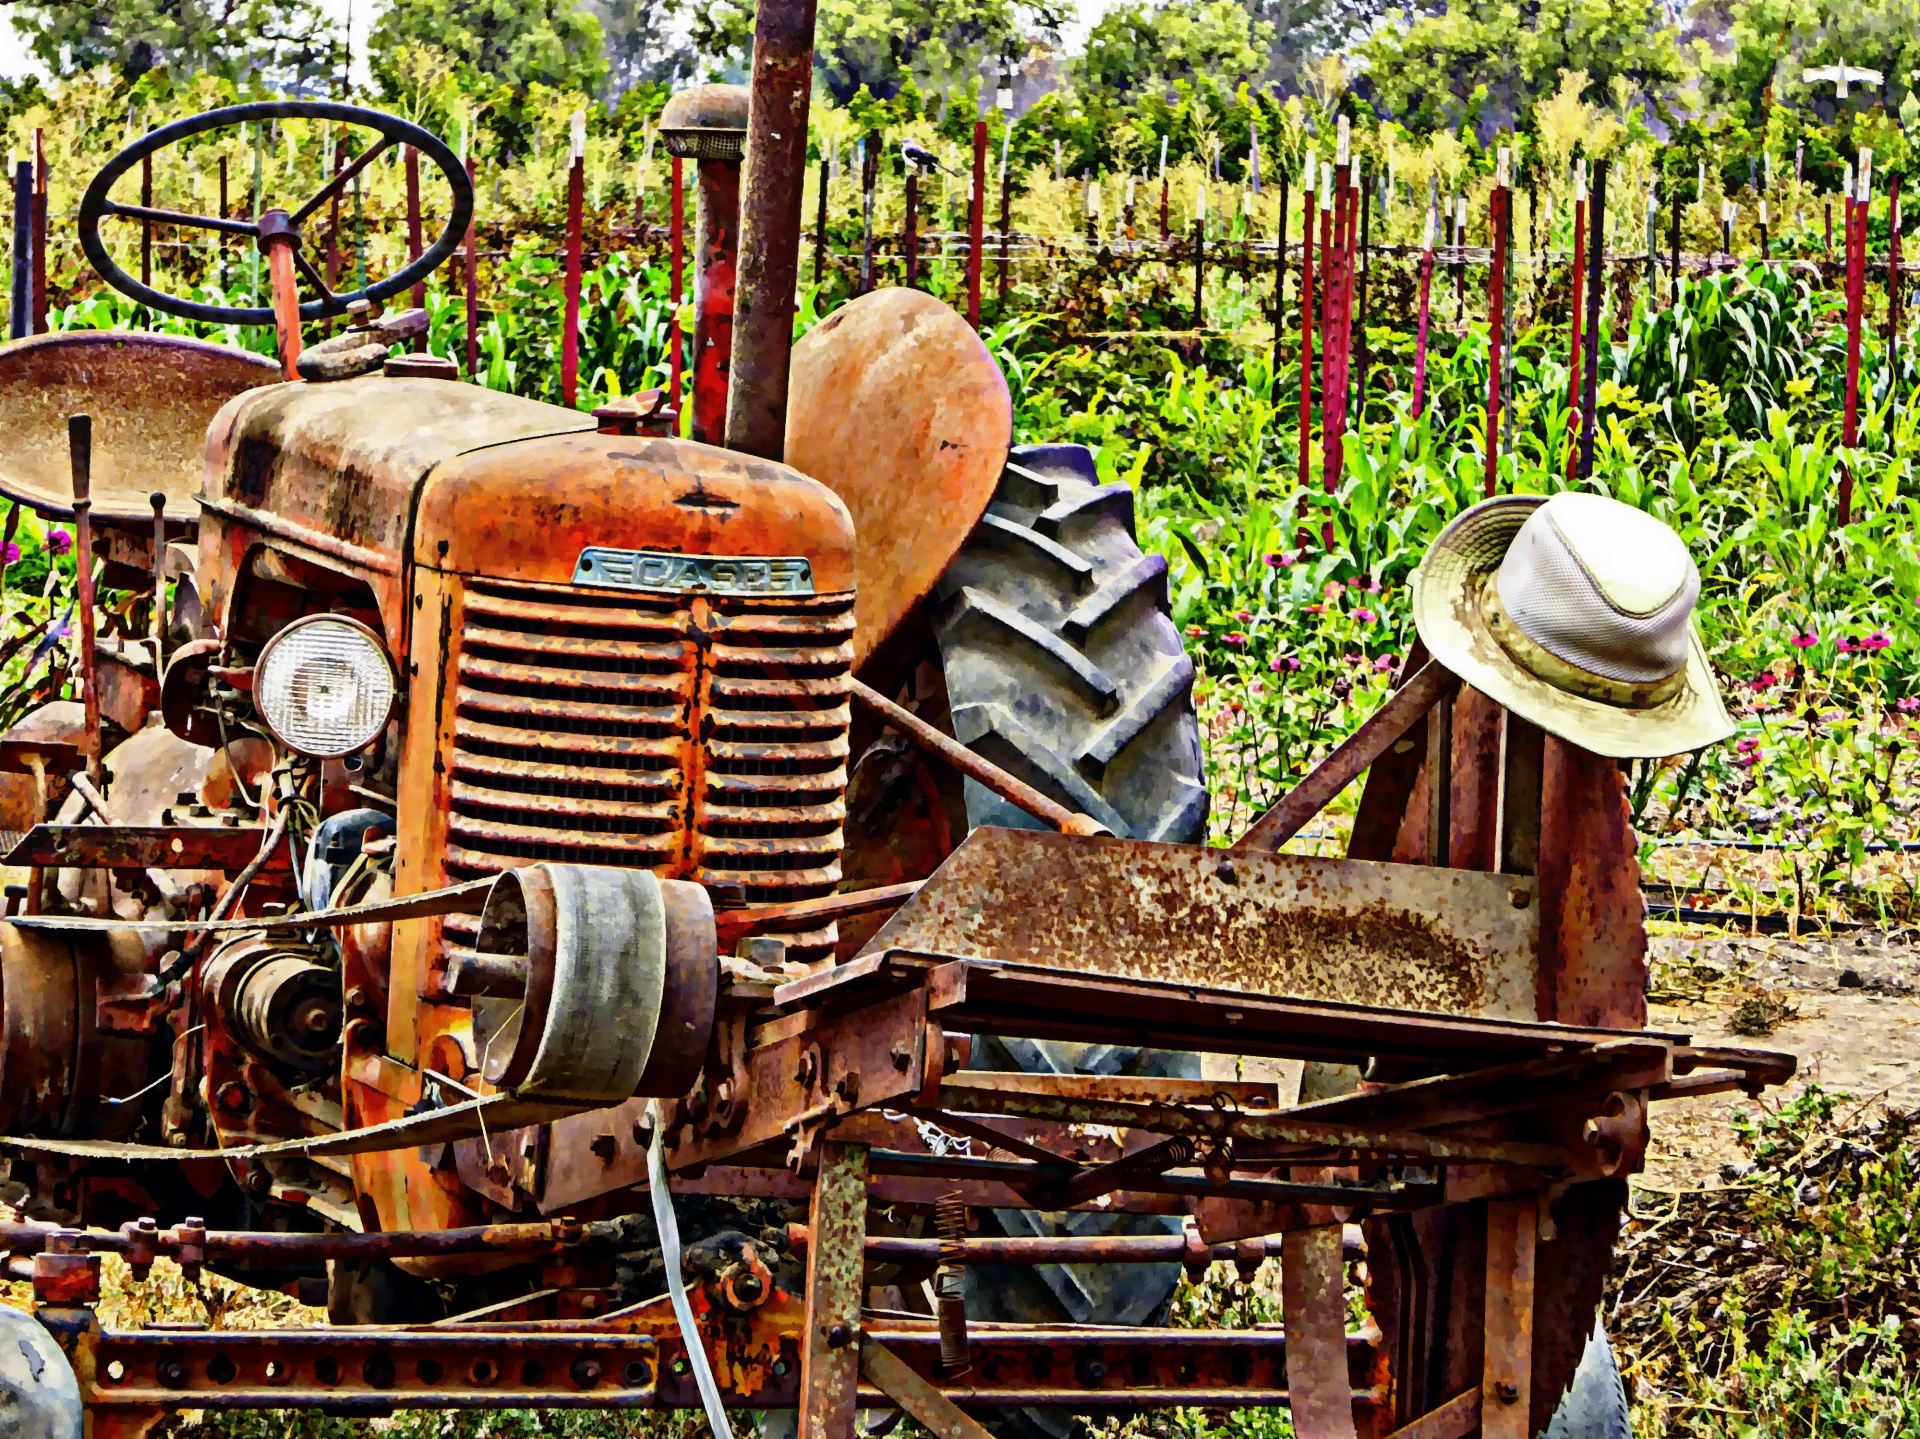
(706, 122)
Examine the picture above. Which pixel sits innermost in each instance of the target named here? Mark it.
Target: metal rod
(80, 456)
(1575, 344)
(146, 226)
(1280, 277)
(570, 331)
(159, 626)
(470, 271)
(39, 232)
(414, 241)
(716, 237)
(1199, 271)
(1496, 329)
(910, 237)
(1306, 327)
(1072, 1249)
(770, 227)
(1360, 282)
(20, 313)
(820, 222)
(1855, 219)
(1596, 292)
(1420, 333)
(1014, 791)
(977, 222)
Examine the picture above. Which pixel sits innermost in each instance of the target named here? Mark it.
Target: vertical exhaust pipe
(770, 226)
(708, 124)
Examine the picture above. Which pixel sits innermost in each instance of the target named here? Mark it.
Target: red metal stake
(39, 233)
(1420, 335)
(414, 243)
(1856, 234)
(1497, 207)
(146, 226)
(1163, 209)
(1329, 277)
(1575, 337)
(472, 278)
(333, 224)
(676, 249)
(80, 454)
(1333, 394)
(1893, 265)
(570, 333)
(1306, 331)
(977, 222)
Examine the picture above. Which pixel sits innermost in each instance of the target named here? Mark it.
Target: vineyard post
(20, 311)
(414, 243)
(820, 221)
(1496, 316)
(39, 326)
(333, 222)
(977, 222)
(1827, 225)
(1199, 252)
(1893, 272)
(1163, 190)
(1006, 216)
(1366, 263)
(1280, 277)
(146, 225)
(1460, 260)
(1324, 318)
(1673, 248)
(910, 234)
(1333, 394)
(1653, 238)
(1426, 303)
(576, 205)
(471, 281)
(1766, 246)
(869, 177)
(1855, 218)
(1575, 339)
(80, 455)
(1596, 286)
(1306, 318)
(676, 253)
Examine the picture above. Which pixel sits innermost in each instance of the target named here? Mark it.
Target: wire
(669, 1230)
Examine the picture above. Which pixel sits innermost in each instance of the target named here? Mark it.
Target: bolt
(234, 1096)
(839, 1336)
(357, 998)
(901, 1056)
(1226, 873)
(1507, 1393)
(803, 1071)
(1518, 897)
(585, 1372)
(606, 1146)
(258, 1181)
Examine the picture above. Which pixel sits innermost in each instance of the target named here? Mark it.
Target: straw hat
(1575, 612)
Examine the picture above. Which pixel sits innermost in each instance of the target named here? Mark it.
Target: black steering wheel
(97, 205)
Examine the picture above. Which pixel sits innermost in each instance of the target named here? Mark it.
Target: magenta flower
(1747, 746)
(1333, 589)
(1365, 616)
(1315, 609)
(1244, 616)
(1279, 561)
(1284, 663)
(59, 541)
(1385, 663)
(1373, 587)
(1195, 632)
(1844, 645)
(1804, 641)
(1353, 657)
(1878, 640)
(1765, 680)
(1908, 705)
(1234, 637)
(12, 554)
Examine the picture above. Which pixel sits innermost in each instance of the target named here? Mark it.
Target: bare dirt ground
(1847, 1008)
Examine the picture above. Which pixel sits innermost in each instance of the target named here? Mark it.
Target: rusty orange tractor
(631, 921)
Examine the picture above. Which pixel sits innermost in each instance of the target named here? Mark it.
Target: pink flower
(1195, 632)
(1805, 641)
(1373, 587)
(1353, 658)
(1279, 561)
(1878, 640)
(1315, 609)
(1747, 746)
(1844, 645)
(1333, 589)
(12, 553)
(1234, 637)
(1908, 705)
(1365, 616)
(1385, 663)
(59, 541)
(1765, 680)
(1244, 616)
(1288, 662)
(1751, 758)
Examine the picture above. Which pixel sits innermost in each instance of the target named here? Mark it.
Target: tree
(510, 44)
(1304, 31)
(285, 44)
(1141, 46)
(881, 44)
(1753, 54)
(1475, 64)
(644, 45)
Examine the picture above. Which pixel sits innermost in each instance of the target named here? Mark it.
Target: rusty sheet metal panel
(150, 396)
(899, 409)
(1400, 936)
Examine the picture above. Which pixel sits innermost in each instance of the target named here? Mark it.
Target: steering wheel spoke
(98, 205)
(175, 217)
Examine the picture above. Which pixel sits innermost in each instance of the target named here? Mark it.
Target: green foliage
(494, 44)
(1143, 46)
(279, 42)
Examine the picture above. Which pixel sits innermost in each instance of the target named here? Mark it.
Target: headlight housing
(325, 686)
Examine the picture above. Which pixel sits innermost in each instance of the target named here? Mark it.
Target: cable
(669, 1229)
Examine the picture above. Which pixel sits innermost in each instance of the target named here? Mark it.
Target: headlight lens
(325, 686)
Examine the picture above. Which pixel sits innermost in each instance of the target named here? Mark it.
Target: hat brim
(1447, 615)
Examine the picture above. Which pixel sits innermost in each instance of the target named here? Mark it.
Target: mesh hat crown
(1575, 612)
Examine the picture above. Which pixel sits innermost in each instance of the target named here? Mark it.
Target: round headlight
(325, 686)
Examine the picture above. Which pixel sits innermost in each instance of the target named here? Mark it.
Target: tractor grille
(701, 737)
